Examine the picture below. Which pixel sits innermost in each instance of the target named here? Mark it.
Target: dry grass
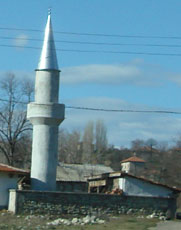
(20, 222)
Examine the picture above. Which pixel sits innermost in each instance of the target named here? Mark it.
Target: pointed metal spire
(48, 58)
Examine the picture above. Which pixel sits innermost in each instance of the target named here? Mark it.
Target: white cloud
(135, 73)
(99, 74)
(21, 40)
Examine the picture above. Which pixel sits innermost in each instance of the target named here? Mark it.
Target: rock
(162, 218)
(55, 222)
(67, 222)
(86, 219)
(100, 221)
(93, 219)
(75, 220)
(142, 210)
(150, 216)
(154, 215)
(130, 211)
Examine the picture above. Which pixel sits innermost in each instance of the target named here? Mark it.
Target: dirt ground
(9, 221)
(167, 225)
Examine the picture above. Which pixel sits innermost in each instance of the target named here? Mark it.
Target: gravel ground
(167, 225)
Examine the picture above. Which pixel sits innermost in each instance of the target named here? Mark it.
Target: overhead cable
(97, 51)
(95, 43)
(107, 110)
(95, 34)
(123, 110)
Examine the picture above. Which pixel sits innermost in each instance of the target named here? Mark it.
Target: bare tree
(151, 143)
(162, 146)
(177, 141)
(63, 145)
(137, 144)
(87, 142)
(101, 136)
(69, 146)
(74, 150)
(13, 122)
(28, 89)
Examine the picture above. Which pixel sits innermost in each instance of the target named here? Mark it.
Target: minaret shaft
(45, 114)
(44, 157)
(47, 86)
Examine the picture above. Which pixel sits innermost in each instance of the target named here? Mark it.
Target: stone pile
(77, 221)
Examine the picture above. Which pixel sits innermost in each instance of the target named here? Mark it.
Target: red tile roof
(10, 169)
(133, 159)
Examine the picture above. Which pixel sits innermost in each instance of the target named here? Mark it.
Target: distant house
(133, 165)
(130, 185)
(9, 177)
(73, 177)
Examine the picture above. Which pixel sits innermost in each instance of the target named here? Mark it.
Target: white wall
(6, 183)
(136, 187)
(134, 168)
(125, 167)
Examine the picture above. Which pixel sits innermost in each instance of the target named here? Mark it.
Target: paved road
(167, 225)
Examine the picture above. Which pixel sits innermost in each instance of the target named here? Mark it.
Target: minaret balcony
(50, 114)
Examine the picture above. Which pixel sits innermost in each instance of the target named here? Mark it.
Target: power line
(123, 110)
(107, 110)
(98, 51)
(22, 47)
(96, 43)
(95, 34)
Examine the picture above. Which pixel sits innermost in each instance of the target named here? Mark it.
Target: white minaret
(45, 114)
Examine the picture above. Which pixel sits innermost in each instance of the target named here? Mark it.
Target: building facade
(9, 177)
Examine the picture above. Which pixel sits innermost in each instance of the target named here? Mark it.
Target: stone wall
(71, 186)
(36, 202)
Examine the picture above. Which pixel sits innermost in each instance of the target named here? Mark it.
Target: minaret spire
(46, 114)
(48, 58)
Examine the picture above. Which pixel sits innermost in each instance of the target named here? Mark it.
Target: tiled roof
(10, 169)
(79, 172)
(133, 159)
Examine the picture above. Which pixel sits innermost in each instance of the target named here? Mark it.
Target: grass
(123, 222)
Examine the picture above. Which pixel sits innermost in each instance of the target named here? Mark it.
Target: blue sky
(104, 80)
